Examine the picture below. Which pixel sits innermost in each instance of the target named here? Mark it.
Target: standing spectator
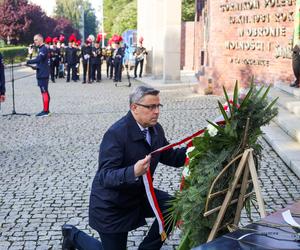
(42, 72)
(2, 80)
(54, 59)
(86, 52)
(139, 53)
(118, 60)
(96, 62)
(71, 60)
(109, 51)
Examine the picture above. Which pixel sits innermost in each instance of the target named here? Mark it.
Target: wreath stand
(245, 168)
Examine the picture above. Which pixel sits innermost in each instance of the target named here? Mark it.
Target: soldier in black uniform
(54, 60)
(86, 52)
(96, 62)
(139, 53)
(109, 51)
(118, 60)
(2, 80)
(71, 61)
(42, 72)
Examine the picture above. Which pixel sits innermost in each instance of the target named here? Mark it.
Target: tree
(20, 21)
(188, 10)
(12, 22)
(70, 9)
(127, 19)
(65, 27)
(112, 11)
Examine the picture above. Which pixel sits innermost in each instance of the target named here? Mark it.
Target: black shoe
(43, 114)
(134, 77)
(295, 84)
(84, 82)
(67, 241)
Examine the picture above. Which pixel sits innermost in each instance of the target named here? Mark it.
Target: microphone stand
(13, 92)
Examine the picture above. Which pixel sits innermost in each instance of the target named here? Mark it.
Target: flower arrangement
(211, 151)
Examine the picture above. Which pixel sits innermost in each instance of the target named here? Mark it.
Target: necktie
(146, 135)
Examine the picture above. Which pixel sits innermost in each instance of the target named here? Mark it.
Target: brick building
(237, 39)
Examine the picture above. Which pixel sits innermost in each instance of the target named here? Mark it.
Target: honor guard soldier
(139, 53)
(118, 59)
(71, 59)
(96, 61)
(109, 51)
(54, 59)
(86, 52)
(42, 72)
(62, 49)
(78, 56)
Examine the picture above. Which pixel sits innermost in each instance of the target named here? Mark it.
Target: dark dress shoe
(67, 241)
(295, 84)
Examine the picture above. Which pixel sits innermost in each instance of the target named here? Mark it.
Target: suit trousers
(118, 241)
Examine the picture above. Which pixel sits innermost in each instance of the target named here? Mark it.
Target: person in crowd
(42, 72)
(71, 59)
(2, 79)
(296, 65)
(109, 60)
(118, 200)
(54, 59)
(139, 53)
(96, 62)
(118, 62)
(86, 52)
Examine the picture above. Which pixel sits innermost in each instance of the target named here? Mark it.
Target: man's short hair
(40, 36)
(139, 92)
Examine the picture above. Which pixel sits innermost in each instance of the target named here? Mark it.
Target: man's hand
(142, 166)
(2, 98)
(30, 50)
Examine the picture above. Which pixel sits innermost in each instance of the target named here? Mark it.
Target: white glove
(87, 56)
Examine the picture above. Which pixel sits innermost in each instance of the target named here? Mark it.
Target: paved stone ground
(47, 164)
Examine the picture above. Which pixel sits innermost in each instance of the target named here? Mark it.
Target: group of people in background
(64, 61)
(55, 60)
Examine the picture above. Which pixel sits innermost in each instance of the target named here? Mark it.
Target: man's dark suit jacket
(117, 196)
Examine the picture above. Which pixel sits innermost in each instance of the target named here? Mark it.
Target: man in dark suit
(296, 65)
(118, 200)
(117, 61)
(42, 72)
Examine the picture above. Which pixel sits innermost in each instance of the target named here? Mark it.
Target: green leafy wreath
(217, 146)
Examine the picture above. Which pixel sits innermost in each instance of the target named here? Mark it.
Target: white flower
(189, 150)
(186, 172)
(212, 130)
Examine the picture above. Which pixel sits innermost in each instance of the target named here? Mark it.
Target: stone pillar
(159, 22)
(145, 28)
(171, 39)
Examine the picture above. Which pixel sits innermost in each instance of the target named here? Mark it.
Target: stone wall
(248, 38)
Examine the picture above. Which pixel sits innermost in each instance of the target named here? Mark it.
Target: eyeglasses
(150, 107)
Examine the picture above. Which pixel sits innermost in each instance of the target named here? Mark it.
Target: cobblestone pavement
(47, 164)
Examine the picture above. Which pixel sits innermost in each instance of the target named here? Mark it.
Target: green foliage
(211, 153)
(188, 10)
(71, 9)
(119, 15)
(17, 53)
(127, 19)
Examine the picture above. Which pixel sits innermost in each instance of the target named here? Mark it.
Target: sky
(48, 6)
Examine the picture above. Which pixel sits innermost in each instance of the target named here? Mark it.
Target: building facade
(239, 39)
